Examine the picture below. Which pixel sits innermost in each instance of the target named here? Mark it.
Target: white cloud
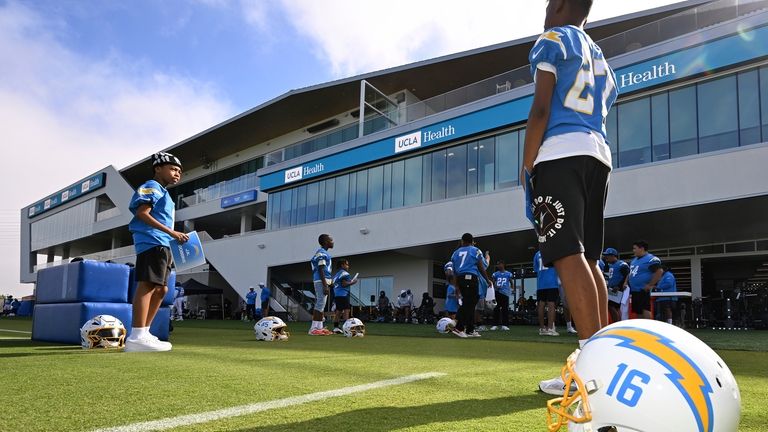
(64, 116)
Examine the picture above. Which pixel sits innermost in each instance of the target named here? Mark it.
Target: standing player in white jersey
(567, 162)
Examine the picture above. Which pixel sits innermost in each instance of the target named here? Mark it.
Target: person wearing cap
(153, 212)
(264, 295)
(618, 271)
(250, 303)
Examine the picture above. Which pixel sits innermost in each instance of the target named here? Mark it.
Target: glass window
(398, 183)
(301, 205)
(634, 132)
(506, 160)
(718, 114)
(412, 183)
(438, 175)
(362, 192)
(330, 193)
(660, 126)
(313, 192)
(285, 208)
(471, 167)
(426, 180)
(457, 171)
(612, 131)
(387, 187)
(749, 108)
(375, 179)
(682, 122)
(764, 100)
(521, 150)
(485, 164)
(352, 194)
(294, 204)
(342, 196)
(274, 210)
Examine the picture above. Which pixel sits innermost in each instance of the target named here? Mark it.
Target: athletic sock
(138, 332)
(669, 321)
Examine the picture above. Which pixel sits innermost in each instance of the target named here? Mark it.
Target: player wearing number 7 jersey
(567, 158)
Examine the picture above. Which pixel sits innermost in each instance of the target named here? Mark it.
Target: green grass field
(489, 384)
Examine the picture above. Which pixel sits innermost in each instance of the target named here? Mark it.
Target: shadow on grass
(35, 348)
(389, 418)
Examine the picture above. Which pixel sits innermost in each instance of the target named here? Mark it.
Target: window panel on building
(507, 161)
(342, 196)
(471, 167)
(456, 171)
(764, 100)
(682, 122)
(486, 164)
(273, 204)
(718, 114)
(612, 133)
(749, 108)
(387, 187)
(301, 205)
(293, 215)
(438, 175)
(330, 198)
(660, 126)
(375, 188)
(362, 191)
(426, 177)
(634, 132)
(352, 197)
(412, 183)
(398, 183)
(313, 196)
(285, 208)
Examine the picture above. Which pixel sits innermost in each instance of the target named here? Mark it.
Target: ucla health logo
(408, 142)
(293, 174)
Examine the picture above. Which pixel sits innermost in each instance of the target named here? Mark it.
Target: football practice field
(399, 377)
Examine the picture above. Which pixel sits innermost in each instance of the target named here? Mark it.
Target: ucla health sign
(695, 60)
(74, 191)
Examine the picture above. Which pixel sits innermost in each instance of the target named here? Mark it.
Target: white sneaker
(494, 328)
(505, 328)
(146, 344)
(459, 333)
(572, 330)
(552, 332)
(474, 334)
(159, 342)
(338, 330)
(555, 386)
(543, 332)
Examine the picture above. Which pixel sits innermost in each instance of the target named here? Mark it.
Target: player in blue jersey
(264, 296)
(323, 282)
(178, 302)
(468, 269)
(644, 272)
(618, 271)
(504, 283)
(451, 296)
(341, 283)
(547, 294)
(666, 284)
(152, 229)
(250, 302)
(566, 161)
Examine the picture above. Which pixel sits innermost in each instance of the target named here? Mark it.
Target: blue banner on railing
(237, 199)
(738, 48)
(76, 190)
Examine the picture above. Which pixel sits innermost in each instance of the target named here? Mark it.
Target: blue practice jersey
(503, 282)
(265, 294)
(465, 260)
(250, 297)
(321, 258)
(451, 300)
(340, 290)
(546, 277)
(163, 210)
(179, 291)
(641, 271)
(667, 283)
(616, 274)
(586, 85)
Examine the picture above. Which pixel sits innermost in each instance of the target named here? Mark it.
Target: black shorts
(154, 265)
(641, 301)
(342, 303)
(569, 198)
(548, 295)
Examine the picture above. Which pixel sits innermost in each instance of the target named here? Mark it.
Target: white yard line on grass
(15, 331)
(237, 411)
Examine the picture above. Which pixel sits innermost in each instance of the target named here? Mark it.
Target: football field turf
(489, 382)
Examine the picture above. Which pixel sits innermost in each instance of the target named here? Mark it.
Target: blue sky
(86, 84)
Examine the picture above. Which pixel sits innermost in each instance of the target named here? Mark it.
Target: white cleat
(555, 386)
(146, 344)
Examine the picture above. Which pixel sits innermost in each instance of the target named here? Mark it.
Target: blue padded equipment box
(167, 300)
(83, 281)
(160, 326)
(61, 322)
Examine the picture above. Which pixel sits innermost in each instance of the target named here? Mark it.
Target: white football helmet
(353, 327)
(445, 325)
(644, 375)
(102, 331)
(271, 328)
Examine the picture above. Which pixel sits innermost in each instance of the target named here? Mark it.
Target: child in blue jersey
(451, 296)
(152, 229)
(341, 283)
(667, 284)
(644, 272)
(547, 294)
(323, 282)
(468, 268)
(566, 162)
(504, 283)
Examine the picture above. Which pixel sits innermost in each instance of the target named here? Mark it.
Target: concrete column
(115, 241)
(65, 253)
(51, 256)
(696, 289)
(246, 221)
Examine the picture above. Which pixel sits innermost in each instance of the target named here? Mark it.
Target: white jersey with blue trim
(585, 85)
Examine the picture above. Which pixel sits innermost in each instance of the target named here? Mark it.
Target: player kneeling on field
(353, 327)
(644, 375)
(446, 325)
(103, 331)
(271, 329)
